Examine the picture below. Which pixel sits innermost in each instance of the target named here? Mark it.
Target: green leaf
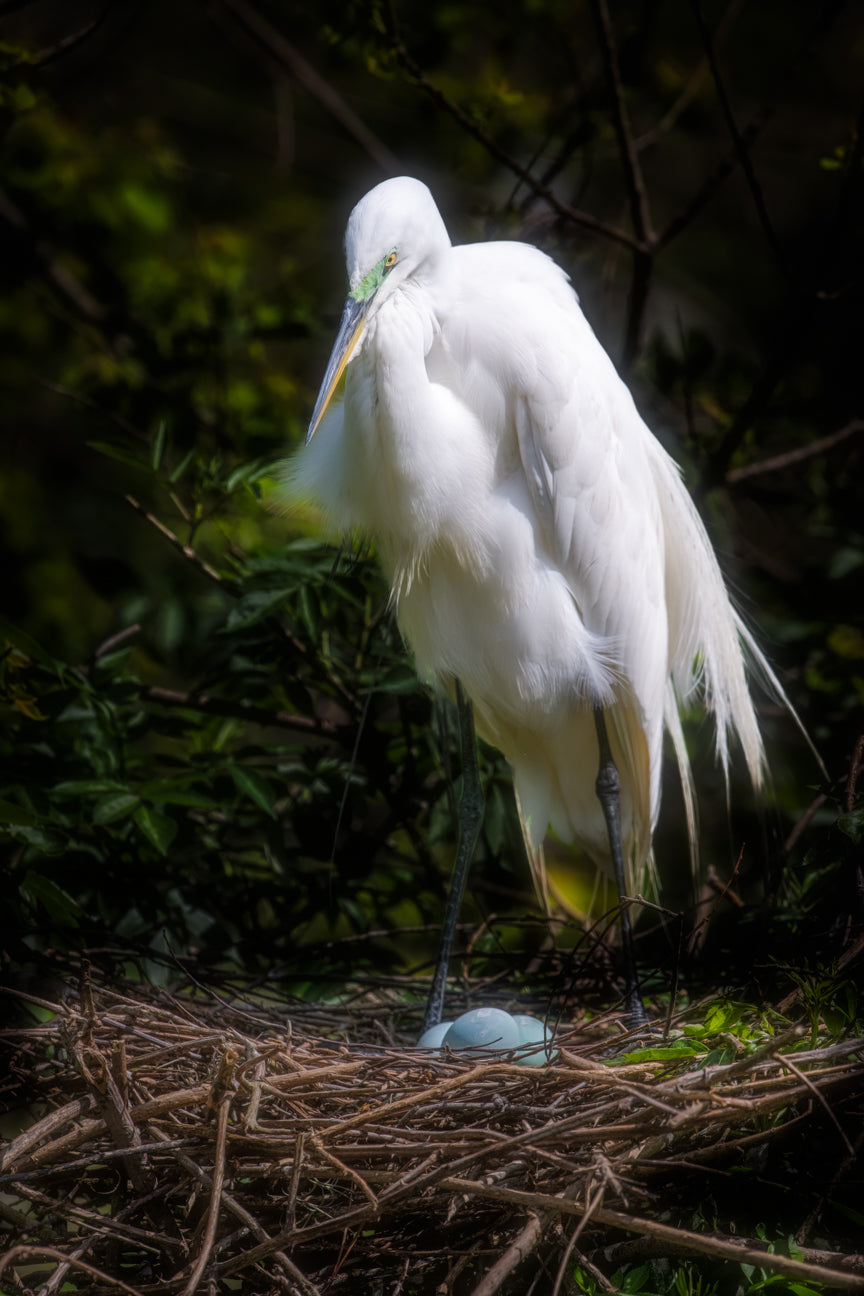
(635, 1280)
(723, 1016)
(117, 805)
(179, 469)
(255, 607)
(87, 787)
(26, 643)
(852, 825)
(158, 448)
(255, 786)
(158, 828)
(149, 208)
(661, 1054)
(255, 468)
(47, 841)
(118, 452)
(10, 813)
(843, 562)
(39, 889)
(167, 792)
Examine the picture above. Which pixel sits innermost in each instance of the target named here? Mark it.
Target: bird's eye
(390, 261)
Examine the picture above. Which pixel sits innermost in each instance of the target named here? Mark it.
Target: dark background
(213, 746)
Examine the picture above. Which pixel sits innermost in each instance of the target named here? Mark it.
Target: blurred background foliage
(213, 743)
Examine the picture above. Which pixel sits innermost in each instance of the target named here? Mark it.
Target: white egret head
(391, 233)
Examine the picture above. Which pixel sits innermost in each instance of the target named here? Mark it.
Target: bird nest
(179, 1144)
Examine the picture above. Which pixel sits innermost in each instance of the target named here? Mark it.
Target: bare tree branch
(62, 280)
(51, 52)
(634, 180)
(643, 255)
(186, 550)
(208, 705)
(725, 169)
(265, 35)
(741, 149)
(693, 86)
(778, 462)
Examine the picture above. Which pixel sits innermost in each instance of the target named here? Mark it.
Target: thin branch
(643, 261)
(67, 43)
(208, 705)
(829, 1190)
(113, 642)
(186, 550)
(265, 35)
(694, 84)
(101, 1226)
(61, 279)
(599, 1277)
(727, 166)
(521, 1246)
(815, 805)
(215, 1194)
(230, 587)
(29, 1254)
(315, 1142)
(246, 1218)
(635, 181)
(81, 399)
(741, 1250)
(854, 774)
(820, 1097)
(590, 1210)
(108, 1154)
(741, 150)
(786, 349)
(781, 461)
(644, 1248)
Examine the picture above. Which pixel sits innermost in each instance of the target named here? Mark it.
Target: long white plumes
(705, 632)
(711, 650)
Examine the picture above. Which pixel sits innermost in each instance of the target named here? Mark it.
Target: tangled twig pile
(191, 1147)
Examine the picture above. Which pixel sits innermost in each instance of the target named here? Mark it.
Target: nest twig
(177, 1149)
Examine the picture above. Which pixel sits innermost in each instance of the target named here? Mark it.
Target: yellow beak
(350, 328)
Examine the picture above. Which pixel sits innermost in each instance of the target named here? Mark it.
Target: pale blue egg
(483, 1030)
(434, 1036)
(533, 1031)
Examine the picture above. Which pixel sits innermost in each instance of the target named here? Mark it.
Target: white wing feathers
(628, 538)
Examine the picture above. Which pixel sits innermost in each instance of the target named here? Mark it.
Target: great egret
(547, 565)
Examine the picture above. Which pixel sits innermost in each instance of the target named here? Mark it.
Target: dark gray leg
(608, 787)
(470, 819)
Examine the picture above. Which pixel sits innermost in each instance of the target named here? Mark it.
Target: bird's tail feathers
(711, 649)
(633, 761)
(761, 668)
(536, 860)
(672, 718)
(706, 645)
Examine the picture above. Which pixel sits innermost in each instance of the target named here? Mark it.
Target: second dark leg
(608, 788)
